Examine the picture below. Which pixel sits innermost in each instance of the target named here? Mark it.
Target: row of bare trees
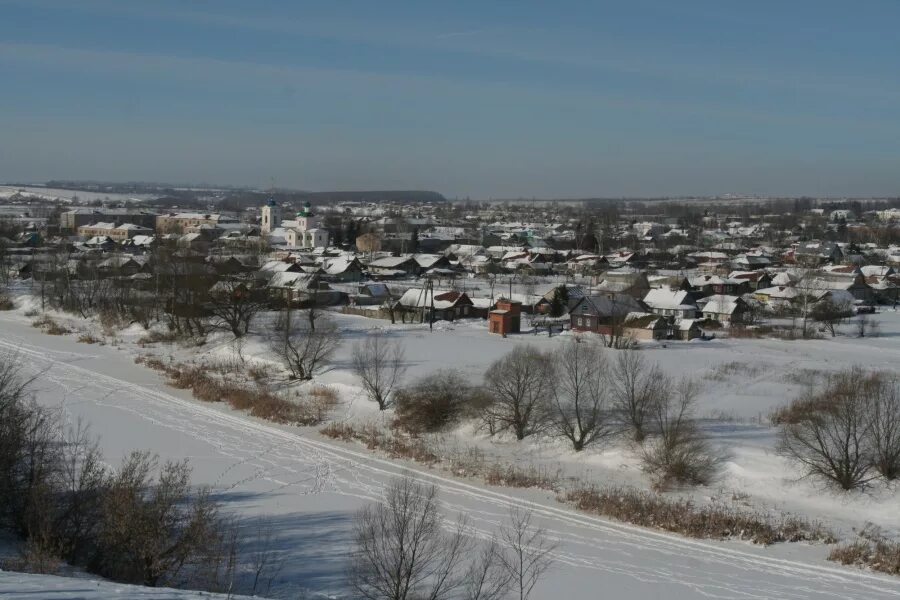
(846, 430)
(583, 393)
(586, 396)
(405, 551)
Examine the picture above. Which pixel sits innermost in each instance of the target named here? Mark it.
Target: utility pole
(431, 289)
(287, 318)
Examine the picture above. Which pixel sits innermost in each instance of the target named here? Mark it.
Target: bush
(50, 326)
(87, 338)
(678, 452)
(517, 477)
(6, 302)
(682, 516)
(433, 402)
(871, 550)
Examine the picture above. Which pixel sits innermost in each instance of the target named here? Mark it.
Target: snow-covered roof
(662, 298)
(721, 304)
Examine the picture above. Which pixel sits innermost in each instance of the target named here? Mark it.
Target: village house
(179, 222)
(631, 282)
(678, 304)
(816, 253)
(393, 266)
(645, 326)
(728, 310)
(603, 313)
(447, 306)
(117, 233)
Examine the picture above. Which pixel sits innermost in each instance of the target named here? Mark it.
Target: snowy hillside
(22, 586)
(309, 487)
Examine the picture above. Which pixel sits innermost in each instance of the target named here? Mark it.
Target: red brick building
(506, 318)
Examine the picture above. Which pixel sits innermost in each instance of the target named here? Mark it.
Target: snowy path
(311, 487)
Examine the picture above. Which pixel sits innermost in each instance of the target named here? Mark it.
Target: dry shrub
(734, 368)
(36, 556)
(6, 302)
(321, 402)
(32, 312)
(184, 377)
(87, 338)
(150, 361)
(206, 388)
(397, 446)
(339, 431)
(49, 326)
(871, 550)
(682, 516)
(518, 477)
(804, 377)
(271, 407)
(803, 408)
(433, 402)
(225, 366)
(883, 556)
(259, 373)
(111, 320)
(312, 408)
(154, 335)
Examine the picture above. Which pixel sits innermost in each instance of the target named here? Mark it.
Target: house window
(579, 321)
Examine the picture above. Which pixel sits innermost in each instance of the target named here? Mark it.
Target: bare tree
(580, 394)
(635, 385)
(233, 304)
(520, 383)
(402, 550)
(487, 577)
(678, 452)
(305, 351)
(264, 562)
(866, 326)
(380, 364)
(829, 313)
(526, 553)
(156, 531)
(829, 433)
(883, 391)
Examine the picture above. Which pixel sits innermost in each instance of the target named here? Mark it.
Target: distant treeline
(244, 199)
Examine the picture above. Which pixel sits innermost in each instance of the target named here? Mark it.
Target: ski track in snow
(288, 461)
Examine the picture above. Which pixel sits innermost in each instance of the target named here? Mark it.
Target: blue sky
(481, 99)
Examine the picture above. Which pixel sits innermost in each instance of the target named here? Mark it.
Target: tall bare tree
(580, 394)
(521, 384)
(304, 350)
(679, 451)
(635, 385)
(402, 550)
(829, 432)
(234, 304)
(883, 409)
(830, 314)
(526, 554)
(380, 364)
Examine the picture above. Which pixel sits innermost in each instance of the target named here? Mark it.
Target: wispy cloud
(458, 34)
(599, 58)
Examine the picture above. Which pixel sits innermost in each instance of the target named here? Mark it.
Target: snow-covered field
(22, 586)
(309, 487)
(68, 196)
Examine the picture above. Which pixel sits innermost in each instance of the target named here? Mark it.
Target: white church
(304, 231)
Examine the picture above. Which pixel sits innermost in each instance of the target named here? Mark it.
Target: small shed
(506, 318)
